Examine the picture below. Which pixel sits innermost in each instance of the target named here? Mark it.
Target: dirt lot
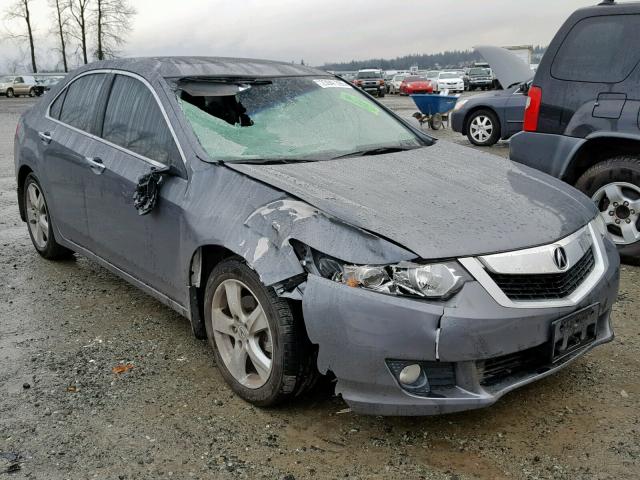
(65, 415)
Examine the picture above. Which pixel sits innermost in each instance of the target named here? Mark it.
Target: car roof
(178, 67)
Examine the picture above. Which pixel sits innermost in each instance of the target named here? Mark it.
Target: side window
(56, 107)
(592, 51)
(133, 120)
(78, 109)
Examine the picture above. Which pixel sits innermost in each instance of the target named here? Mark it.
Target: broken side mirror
(147, 190)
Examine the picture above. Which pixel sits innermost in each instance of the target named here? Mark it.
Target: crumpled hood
(507, 67)
(441, 201)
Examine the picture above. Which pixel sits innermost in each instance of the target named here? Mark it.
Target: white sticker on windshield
(330, 83)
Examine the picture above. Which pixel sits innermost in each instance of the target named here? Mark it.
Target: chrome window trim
(106, 142)
(478, 270)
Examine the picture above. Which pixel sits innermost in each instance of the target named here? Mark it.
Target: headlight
(432, 280)
(459, 105)
(600, 225)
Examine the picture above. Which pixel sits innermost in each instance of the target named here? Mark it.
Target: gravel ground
(64, 414)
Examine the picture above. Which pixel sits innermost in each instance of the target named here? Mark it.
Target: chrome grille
(545, 286)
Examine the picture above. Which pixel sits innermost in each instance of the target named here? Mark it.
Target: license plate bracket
(573, 332)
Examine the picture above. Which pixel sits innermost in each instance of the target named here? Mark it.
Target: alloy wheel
(242, 334)
(481, 128)
(37, 216)
(619, 205)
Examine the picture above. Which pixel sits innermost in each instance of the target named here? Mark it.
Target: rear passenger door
(137, 137)
(68, 146)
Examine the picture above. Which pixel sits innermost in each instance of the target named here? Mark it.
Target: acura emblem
(560, 258)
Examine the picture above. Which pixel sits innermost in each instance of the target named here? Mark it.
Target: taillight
(532, 110)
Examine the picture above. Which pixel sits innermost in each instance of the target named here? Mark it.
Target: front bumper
(480, 83)
(456, 119)
(359, 331)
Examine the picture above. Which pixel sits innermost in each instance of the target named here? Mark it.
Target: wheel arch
(596, 149)
(203, 261)
(23, 172)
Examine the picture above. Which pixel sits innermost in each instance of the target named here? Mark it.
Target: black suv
(582, 121)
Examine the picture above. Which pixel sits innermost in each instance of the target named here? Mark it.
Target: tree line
(82, 30)
(447, 59)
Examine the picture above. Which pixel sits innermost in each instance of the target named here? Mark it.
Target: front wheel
(483, 128)
(260, 345)
(614, 186)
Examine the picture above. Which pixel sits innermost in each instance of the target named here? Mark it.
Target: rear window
(78, 109)
(594, 51)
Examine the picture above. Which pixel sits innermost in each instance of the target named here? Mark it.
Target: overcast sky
(319, 31)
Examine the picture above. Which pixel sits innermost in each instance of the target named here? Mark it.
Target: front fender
(267, 247)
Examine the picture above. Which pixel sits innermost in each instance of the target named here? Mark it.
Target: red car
(415, 84)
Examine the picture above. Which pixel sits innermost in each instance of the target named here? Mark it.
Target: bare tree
(61, 28)
(113, 22)
(19, 10)
(79, 11)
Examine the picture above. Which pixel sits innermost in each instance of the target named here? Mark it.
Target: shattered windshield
(303, 118)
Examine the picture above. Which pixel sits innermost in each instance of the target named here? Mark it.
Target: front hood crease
(442, 201)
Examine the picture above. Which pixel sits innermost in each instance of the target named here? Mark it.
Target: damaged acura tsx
(304, 230)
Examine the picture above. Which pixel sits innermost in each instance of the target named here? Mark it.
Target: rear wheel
(260, 346)
(40, 223)
(614, 186)
(483, 128)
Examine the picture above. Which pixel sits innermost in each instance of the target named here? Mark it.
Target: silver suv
(13, 86)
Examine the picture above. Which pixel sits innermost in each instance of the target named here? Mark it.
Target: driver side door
(136, 137)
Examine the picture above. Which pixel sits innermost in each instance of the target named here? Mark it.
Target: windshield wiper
(374, 151)
(272, 161)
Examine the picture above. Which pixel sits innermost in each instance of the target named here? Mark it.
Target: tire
(37, 213)
(435, 122)
(292, 368)
(32, 92)
(10, 93)
(487, 128)
(623, 174)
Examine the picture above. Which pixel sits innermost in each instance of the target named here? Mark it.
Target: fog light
(410, 374)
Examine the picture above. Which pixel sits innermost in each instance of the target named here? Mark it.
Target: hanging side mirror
(147, 190)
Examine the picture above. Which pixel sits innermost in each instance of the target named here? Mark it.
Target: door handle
(95, 164)
(45, 137)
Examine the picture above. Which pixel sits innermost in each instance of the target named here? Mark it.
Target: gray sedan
(489, 117)
(304, 229)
